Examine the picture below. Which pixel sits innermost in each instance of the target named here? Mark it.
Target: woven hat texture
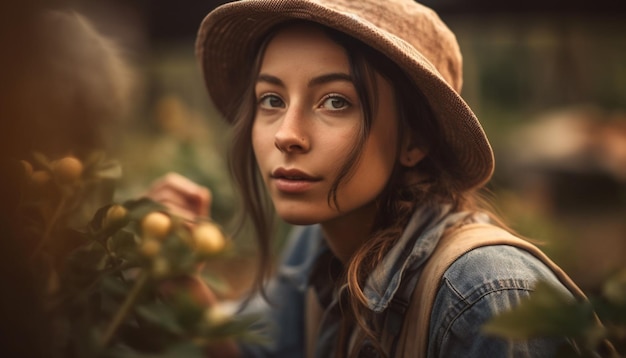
(410, 34)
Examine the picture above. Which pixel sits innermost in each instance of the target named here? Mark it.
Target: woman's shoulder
(496, 267)
(478, 285)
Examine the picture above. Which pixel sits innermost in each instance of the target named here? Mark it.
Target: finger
(177, 203)
(173, 199)
(181, 194)
(202, 201)
(184, 185)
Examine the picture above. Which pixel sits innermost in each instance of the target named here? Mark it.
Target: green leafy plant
(596, 326)
(111, 273)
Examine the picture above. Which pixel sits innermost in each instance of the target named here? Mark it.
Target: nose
(292, 135)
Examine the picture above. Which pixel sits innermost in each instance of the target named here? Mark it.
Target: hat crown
(415, 25)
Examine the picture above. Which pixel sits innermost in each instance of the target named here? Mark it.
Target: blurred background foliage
(546, 78)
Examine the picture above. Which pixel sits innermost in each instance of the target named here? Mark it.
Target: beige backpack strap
(413, 340)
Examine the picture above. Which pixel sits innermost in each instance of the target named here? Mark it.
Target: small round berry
(208, 238)
(150, 248)
(156, 225)
(67, 170)
(40, 178)
(114, 214)
(160, 267)
(217, 315)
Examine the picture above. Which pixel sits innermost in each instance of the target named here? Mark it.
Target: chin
(295, 217)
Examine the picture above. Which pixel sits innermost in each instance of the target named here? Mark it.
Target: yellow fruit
(217, 315)
(150, 248)
(114, 214)
(40, 178)
(208, 238)
(67, 170)
(156, 225)
(160, 267)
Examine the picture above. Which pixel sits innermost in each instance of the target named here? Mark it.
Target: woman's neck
(345, 234)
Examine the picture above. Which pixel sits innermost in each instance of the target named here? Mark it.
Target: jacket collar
(413, 248)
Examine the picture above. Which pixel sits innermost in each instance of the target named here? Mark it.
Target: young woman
(348, 123)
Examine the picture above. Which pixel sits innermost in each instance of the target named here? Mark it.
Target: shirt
(480, 284)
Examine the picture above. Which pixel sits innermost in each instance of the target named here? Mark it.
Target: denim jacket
(478, 285)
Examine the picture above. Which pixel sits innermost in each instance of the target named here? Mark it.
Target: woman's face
(308, 118)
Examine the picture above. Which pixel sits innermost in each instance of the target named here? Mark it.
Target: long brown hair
(430, 181)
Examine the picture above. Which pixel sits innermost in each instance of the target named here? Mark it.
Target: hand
(181, 196)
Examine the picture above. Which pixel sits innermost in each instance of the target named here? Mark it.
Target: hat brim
(228, 36)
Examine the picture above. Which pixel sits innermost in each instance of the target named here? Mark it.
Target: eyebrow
(330, 77)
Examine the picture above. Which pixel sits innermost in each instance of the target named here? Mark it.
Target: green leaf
(188, 312)
(139, 208)
(110, 169)
(111, 294)
(98, 167)
(217, 283)
(88, 258)
(95, 224)
(614, 289)
(94, 159)
(42, 160)
(114, 286)
(124, 245)
(161, 315)
(609, 312)
(548, 313)
(182, 257)
(88, 201)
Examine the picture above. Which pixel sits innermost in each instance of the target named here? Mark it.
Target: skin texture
(308, 116)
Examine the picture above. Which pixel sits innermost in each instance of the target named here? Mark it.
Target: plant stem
(125, 309)
(49, 226)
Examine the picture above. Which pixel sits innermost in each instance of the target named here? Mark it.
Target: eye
(335, 102)
(270, 101)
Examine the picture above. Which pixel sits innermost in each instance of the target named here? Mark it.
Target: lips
(292, 174)
(293, 181)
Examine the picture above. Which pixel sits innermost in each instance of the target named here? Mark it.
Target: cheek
(335, 155)
(380, 155)
(372, 172)
(338, 145)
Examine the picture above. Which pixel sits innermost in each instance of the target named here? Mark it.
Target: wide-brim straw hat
(408, 33)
